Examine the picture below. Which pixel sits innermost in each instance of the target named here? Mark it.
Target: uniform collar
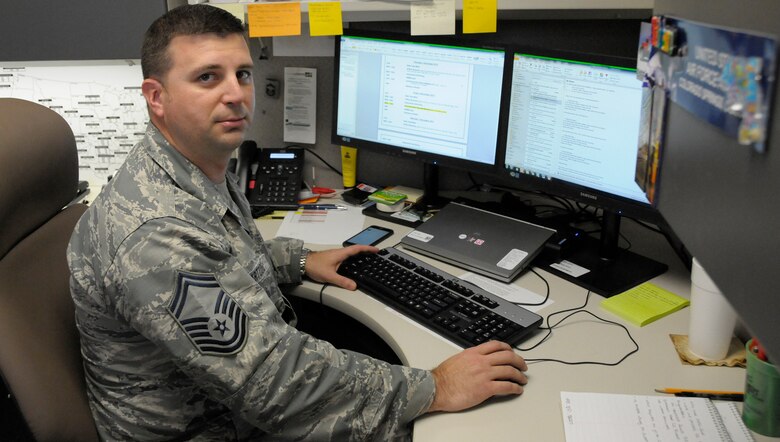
(192, 180)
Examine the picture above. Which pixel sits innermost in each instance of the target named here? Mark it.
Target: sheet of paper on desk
(510, 292)
(329, 227)
(623, 418)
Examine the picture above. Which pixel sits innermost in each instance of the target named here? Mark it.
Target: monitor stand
(611, 270)
(431, 200)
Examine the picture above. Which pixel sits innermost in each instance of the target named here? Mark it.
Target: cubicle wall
(722, 198)
(75, 29)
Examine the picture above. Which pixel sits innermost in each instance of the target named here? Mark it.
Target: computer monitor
(573, 130)
(431, 99)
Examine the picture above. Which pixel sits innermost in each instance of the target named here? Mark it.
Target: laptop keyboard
(445, 304)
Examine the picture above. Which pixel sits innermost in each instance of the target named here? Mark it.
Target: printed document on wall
(300, 105)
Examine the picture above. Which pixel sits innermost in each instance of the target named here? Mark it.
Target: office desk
(536, 415)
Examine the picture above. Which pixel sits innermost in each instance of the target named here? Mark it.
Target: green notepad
(644, 304)
(386, 196)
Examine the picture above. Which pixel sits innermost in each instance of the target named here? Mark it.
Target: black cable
(320, 158)
(608, 364)
(547, 320)
(628, 242)
(321, 291)
(546, 296)
(574, 311)
(646, 226)
(474, 183)
(553, 209)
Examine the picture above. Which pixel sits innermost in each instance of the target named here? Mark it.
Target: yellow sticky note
(274, 19)
(236, 9)
(325, 18)
(479, 16)
(644, 304)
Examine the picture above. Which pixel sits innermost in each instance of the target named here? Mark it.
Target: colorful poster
(724, 76)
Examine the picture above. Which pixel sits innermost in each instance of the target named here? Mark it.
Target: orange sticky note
(479, 16)
(274, 19)
(325, 18)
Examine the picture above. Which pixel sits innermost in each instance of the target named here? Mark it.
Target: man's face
(207, 98)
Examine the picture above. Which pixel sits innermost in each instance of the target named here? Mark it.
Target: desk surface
(536, 415)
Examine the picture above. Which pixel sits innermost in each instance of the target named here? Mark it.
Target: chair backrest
(40, 357)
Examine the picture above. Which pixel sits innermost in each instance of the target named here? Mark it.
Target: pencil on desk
(716, 397)
(690, 390)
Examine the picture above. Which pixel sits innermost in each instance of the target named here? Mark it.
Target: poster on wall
(723, 76)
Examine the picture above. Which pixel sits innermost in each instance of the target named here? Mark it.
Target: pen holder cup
(761, 410)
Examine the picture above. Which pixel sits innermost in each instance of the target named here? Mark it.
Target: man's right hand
(476, 374)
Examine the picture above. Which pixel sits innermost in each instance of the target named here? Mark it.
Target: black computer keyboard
(451, 307)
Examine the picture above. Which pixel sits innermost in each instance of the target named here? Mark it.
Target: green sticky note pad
(644, 304)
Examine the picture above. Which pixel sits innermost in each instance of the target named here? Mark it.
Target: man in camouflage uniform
(177, 295)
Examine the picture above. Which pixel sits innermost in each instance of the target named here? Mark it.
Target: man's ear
(152, 90)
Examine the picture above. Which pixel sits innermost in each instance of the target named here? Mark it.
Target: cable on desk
(547, 320)
(546, 296)
(321, 291)
(574, 311)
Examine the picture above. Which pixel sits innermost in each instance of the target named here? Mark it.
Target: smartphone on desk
(370, 236)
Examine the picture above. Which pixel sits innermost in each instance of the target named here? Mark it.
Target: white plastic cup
(712, 317)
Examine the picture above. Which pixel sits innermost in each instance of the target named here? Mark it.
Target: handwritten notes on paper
(435, 17)
(479, 16)
(644, 304)
(622, 417)
(274, 19)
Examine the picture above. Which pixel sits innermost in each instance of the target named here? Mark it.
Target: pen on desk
(322, 207)
(739, 397)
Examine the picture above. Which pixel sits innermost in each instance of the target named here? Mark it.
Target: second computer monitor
(574, 126)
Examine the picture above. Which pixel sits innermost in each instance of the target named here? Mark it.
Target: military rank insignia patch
(212, 320)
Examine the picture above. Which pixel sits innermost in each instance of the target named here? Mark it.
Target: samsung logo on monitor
(409, 152)
(589, 196)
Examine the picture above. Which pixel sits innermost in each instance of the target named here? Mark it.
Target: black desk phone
(273, 177)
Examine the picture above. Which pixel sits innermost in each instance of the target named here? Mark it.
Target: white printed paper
(330, 227)
(570, 268)
(100, 100)
(510, 292)
(300, 105)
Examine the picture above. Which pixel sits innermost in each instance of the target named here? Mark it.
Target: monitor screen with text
(443, 100)
(575, 122)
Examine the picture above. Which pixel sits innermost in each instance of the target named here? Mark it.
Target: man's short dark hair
(195, 19)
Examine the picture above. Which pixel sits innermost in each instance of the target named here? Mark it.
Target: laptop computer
(493, 245)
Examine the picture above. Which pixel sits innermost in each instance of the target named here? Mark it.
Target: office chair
(40, 356)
